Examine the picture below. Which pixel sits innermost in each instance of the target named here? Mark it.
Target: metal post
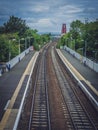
(86, 21)
(9, 51)
(74, 45)
(85, 48)
(19, 46)
(29, 41)
(25, 43)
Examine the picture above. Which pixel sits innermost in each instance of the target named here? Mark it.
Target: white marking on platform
(6, 106)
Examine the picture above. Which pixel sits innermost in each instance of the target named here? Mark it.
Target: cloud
(48, 15)
(40, 8)
(73, 9)
(44, 23)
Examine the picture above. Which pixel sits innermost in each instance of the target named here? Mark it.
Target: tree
(1, 29)
(16, 36)
(82, 36)
(76, 31)
(4, 49)
(15, 24)
(8, 46)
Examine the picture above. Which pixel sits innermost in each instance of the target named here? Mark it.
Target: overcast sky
(48, 15)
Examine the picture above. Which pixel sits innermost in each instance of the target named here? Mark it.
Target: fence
(10, 64)
(91, 64)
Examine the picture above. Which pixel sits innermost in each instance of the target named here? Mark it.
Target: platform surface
(9, 81)
(89, 75)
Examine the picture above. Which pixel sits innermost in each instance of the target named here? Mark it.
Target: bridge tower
(63, 31)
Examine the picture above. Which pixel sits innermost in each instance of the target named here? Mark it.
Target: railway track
(57, 101)
(39, 116)
(76, 115)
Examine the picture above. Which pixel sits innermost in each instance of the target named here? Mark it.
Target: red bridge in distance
(63, 31)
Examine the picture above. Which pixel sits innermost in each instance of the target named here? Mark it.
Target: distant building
(63, 31)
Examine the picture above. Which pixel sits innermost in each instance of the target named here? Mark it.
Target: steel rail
(81, 103)
(74, 103)
(40, 89)
(32, 106)
(47, 93)
(24, 95)
(89, 95)
(57, 70)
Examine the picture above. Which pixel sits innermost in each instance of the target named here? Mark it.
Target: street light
(86, 22)
(9, 51)
(25, 43)
(11, 39)
(19, 46)
(29, 40)
(85, 48)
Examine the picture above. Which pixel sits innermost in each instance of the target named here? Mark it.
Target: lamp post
(86, 22)
(71, 41)
(9, 51)
(67, 42)
(19, 46)
(85, 48)
(75, 45)
(9, 66)
(25, 43)
(29, 40)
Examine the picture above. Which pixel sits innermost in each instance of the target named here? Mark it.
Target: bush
(36, 46)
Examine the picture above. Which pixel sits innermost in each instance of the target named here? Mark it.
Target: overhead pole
(86, 21)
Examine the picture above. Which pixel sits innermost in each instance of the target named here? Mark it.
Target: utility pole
(19, 46)
(9, 51)
(25, 43)
(86, 21)
(85, 48)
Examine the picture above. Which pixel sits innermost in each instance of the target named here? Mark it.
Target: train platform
(88, 77)
(12, 87)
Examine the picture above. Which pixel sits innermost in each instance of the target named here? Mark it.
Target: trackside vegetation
(16, 36)
(83, 38)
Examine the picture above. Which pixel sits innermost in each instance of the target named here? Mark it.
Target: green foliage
(15, 24)
(16, 36)
(79, 34)
(40, 40)
(59, 44)
(8, 47)
(36, 46)
(4, 48)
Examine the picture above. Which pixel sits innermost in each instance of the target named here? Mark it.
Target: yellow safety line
(78, 75)
(12, 101)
